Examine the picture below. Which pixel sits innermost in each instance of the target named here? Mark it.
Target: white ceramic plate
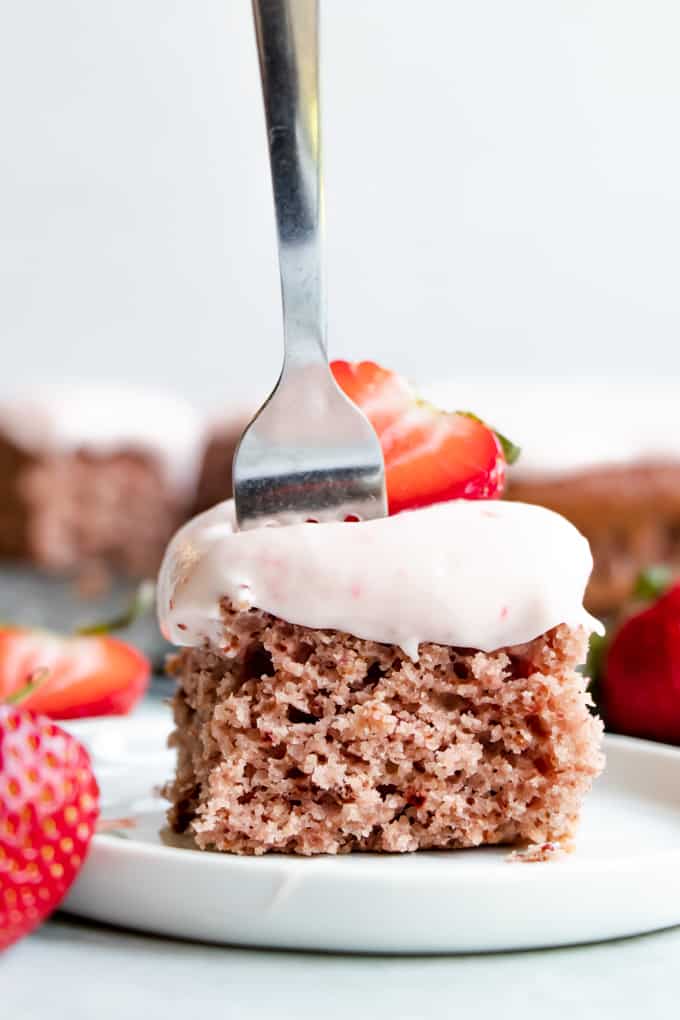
(623, 879)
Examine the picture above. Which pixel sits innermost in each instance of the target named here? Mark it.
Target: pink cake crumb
(537, 853)
(306, 741)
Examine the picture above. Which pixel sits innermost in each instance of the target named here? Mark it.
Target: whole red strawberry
(430, 455)
(49, 804)
(640, 683)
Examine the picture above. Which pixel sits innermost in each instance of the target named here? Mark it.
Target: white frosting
(573, 425)
(106, 418)
(474, 574)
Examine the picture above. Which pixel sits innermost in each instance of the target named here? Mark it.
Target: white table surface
(78, 971)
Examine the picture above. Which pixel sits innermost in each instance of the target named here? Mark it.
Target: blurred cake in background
(222, 434)
(95, 474)
(606, 455)
(103, 474)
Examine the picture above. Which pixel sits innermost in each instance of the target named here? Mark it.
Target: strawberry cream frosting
(476, 574)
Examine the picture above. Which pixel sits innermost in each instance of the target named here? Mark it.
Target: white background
(503, 190)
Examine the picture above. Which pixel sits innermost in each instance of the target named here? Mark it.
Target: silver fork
(309, 453)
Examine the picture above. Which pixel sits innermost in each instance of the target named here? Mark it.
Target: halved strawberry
(95, 675)
(430, 455)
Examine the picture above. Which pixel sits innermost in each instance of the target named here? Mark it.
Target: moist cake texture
(308, 741)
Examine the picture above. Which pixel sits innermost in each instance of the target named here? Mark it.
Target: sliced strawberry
(382, 395)
(430, 455)
(49, 804)
(86, 676)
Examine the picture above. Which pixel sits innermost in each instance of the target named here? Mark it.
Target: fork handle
(288, 48)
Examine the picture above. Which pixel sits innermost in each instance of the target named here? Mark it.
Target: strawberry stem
(34, 682)
(139, 605)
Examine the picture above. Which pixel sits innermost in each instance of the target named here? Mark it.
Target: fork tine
(303, 458)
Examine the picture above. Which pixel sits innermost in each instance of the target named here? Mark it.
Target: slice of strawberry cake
(387, 685)
(390, 685)
(95, 475)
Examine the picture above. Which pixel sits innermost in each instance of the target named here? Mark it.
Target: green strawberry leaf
(511, 451)
(594, 667)
(652, 582)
